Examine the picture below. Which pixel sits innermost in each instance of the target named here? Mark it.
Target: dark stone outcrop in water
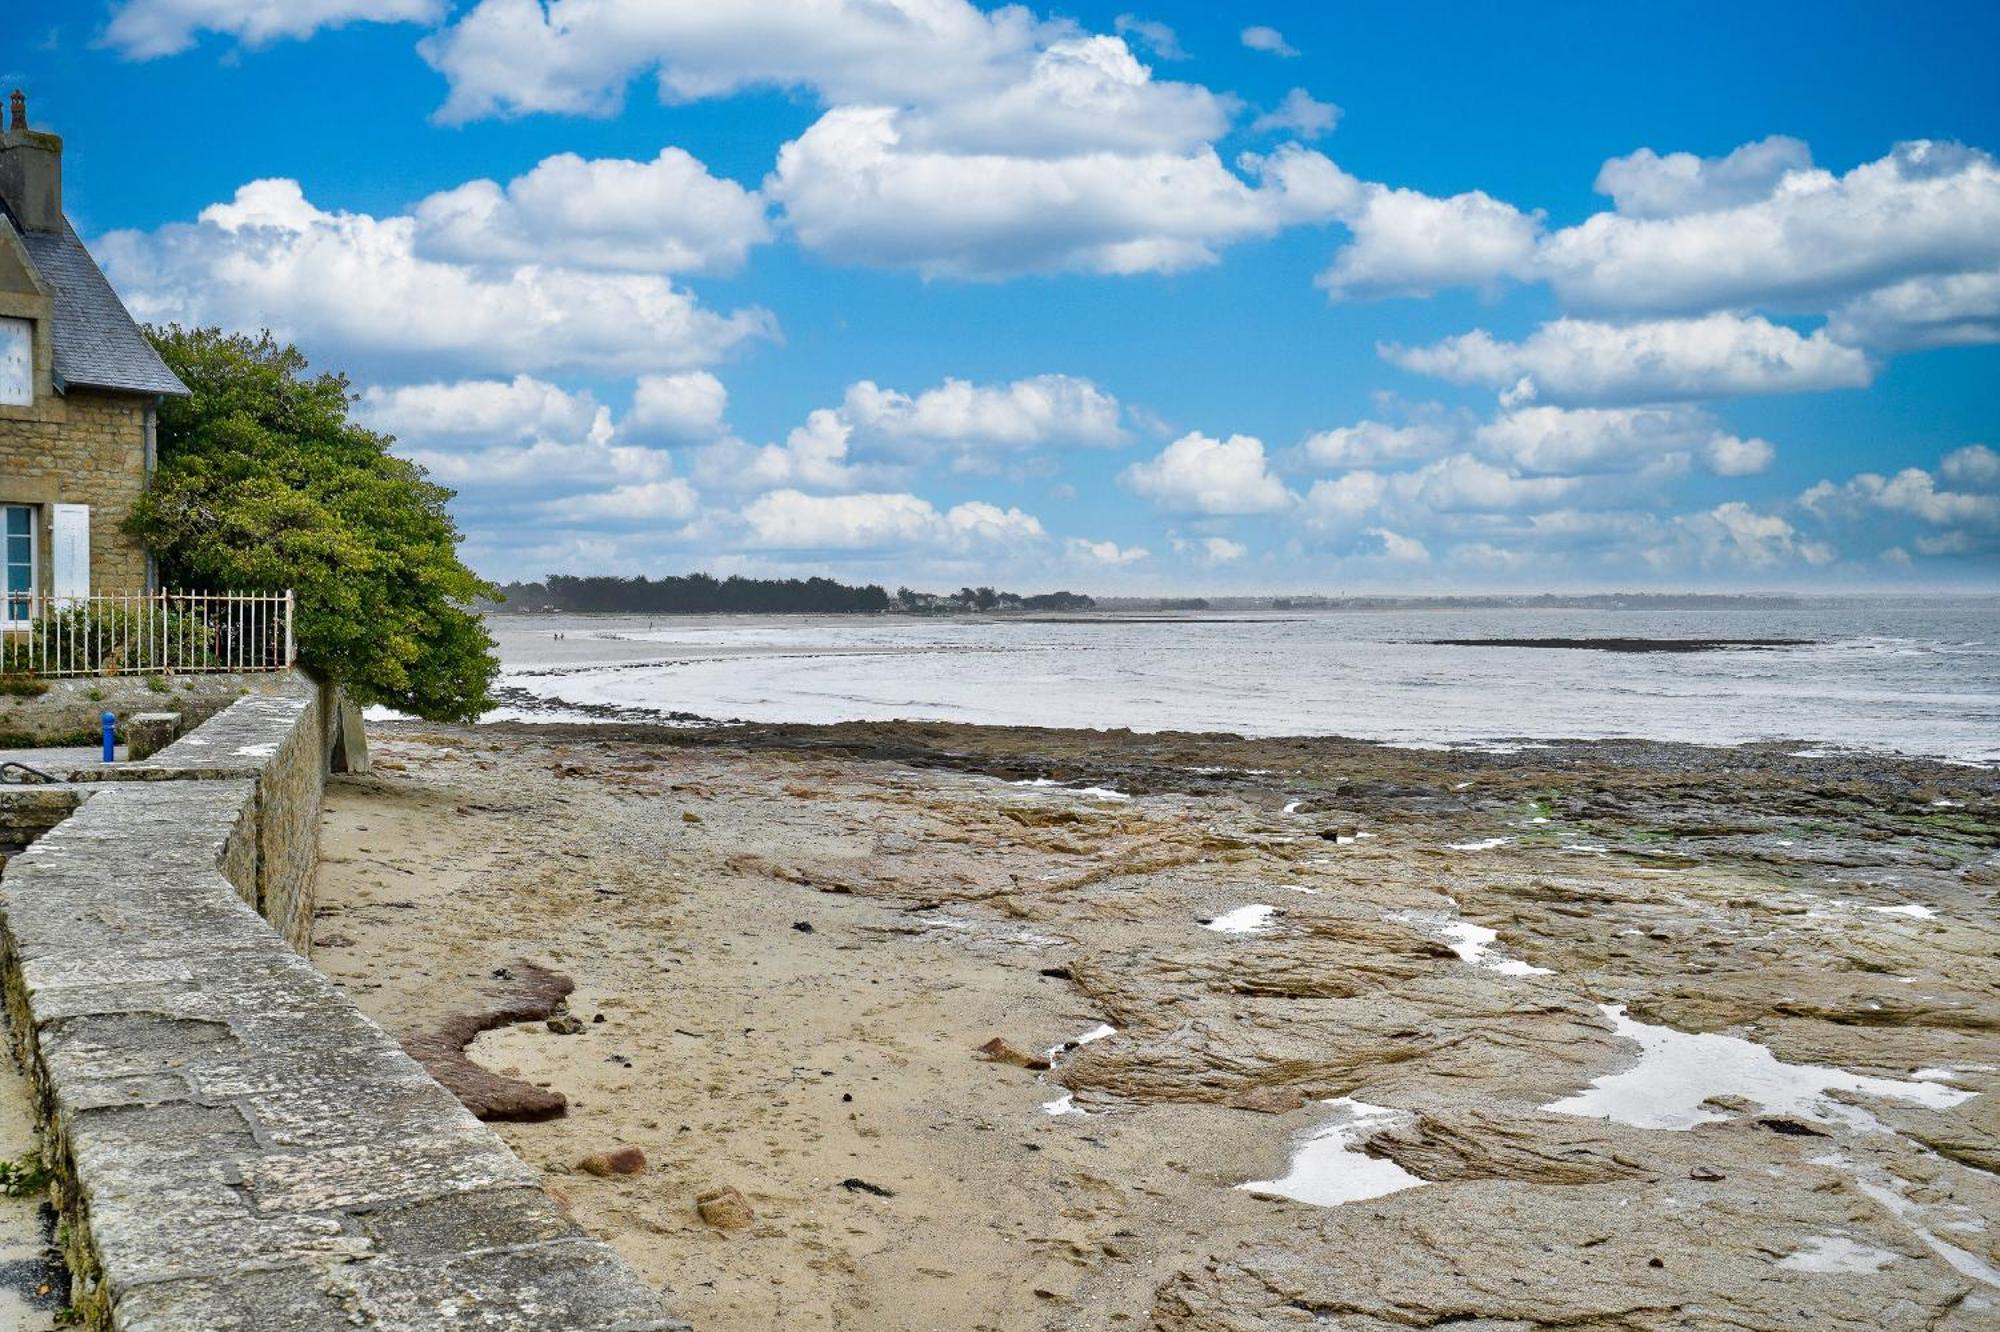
(525, 993)
(1628, 644)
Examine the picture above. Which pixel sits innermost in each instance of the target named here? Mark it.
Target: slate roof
(96, 343)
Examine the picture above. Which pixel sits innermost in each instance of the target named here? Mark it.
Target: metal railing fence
(145, 633)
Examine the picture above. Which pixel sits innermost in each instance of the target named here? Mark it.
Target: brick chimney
(30, 171)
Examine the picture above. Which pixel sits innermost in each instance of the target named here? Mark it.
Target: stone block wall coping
(236, 1146)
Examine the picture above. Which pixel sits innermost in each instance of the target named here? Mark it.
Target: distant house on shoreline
(79, 389)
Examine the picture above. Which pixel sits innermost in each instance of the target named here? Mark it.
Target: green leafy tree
(264, 484)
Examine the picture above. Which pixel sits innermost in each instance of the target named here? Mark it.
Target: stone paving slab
(241, 1148)
(64, 763)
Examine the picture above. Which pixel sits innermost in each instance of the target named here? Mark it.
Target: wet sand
(34, 1286)
(797, 938)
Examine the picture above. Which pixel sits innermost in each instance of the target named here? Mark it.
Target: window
(19, 526)
(17, 363)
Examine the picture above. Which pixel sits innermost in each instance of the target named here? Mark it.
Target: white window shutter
(70, 570)
(17, 362)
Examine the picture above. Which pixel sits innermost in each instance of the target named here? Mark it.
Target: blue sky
(1115, 297)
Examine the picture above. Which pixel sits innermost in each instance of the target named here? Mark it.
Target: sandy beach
(1608, 1036)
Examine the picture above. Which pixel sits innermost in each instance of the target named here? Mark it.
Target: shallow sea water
(1916, 676)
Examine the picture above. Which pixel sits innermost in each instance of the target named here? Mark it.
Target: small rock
(1269, 1100)
(998, 1051)
(1057, 973)
(1338, 834)
(1706, 1172)
(725, 1208)
(618, 1161)
(803, 926)
(1791, 1128)
(689, 816)
(565, 1024)
(863, 1186)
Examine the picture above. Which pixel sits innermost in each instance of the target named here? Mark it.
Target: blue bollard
(110, 736)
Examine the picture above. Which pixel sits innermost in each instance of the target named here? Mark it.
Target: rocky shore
(1295, 1033)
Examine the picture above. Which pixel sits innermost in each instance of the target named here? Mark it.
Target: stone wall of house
(234, 1145)
(82, 448)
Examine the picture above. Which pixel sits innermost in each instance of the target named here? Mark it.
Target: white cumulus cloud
(1462, 483)
(498, 440)
(1109, 554)
(578, 56)
(1952, 310)
(483, 410)
(1400, 548)
(1732, 455)
(1407, 243)
(145, 29)
(1373, 443)
(1299, 113)
(791, 520)
(857, 191)
(1975, 467)
(955, 142)
(668, 215)
(1733, 534)
(1598, 439)
(1926, 208)
(1200, 474)
(1912, 492)
(669, 500)
(877, 435)
(1261, 37)
(1647, 184)
(689, 405)
(1585, 361)
(1039, 411)
(1156, 37)
(353, 287)
(814, 456)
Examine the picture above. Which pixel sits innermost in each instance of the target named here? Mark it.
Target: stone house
(79, 389)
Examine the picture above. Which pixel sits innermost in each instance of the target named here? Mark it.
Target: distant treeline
(700, 593)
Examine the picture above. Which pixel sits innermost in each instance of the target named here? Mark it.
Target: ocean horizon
(1899, 675)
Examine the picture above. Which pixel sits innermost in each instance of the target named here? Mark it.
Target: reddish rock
(618, 1161)
(525, 993)
(725, 1208)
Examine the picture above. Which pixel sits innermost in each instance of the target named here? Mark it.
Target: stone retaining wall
(236, 1147)
(276, 741)
(68, 713)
